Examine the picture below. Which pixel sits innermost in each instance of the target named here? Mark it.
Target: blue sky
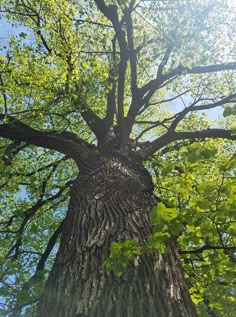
(6, 29)
(211, 114)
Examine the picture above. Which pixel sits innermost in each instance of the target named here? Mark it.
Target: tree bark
(110, 201)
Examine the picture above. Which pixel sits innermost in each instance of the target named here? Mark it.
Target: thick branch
(94, 122)
(66, 143)
(111, 98)
(111, 13)
(150, 148)
(211, 68)
(164, 61)
(132, 52)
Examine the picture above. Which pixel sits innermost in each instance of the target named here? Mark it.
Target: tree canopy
(150, 73)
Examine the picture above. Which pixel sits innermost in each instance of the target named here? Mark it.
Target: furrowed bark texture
(111, 201)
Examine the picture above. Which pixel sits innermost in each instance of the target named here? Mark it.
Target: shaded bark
(110, 201)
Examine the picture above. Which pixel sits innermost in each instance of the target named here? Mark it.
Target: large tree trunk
(110, 201)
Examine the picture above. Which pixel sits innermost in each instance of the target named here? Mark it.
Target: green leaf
(190, 228)
(161, 212)
(121, 254)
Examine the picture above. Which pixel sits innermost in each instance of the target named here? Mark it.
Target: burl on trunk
(111, 201)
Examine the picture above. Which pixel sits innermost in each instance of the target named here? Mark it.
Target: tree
(87, 127)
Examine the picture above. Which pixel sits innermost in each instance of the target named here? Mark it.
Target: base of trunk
(112, 203)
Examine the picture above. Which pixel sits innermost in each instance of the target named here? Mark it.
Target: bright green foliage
(156, 241)
(33, 200)
(162, 213)
(121, 254)
(201, 184)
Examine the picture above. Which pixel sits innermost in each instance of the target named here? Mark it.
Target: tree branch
(111, 13)
(50, 245)
(111, 97)
(94, 122)
(193, 107)
(81, 21)
(66, 143)
(206, 247)
(29, 213)
(40, 266)
(159, 80)
(132, 52)
(161, 101)
(142, 97)
(149, 148)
